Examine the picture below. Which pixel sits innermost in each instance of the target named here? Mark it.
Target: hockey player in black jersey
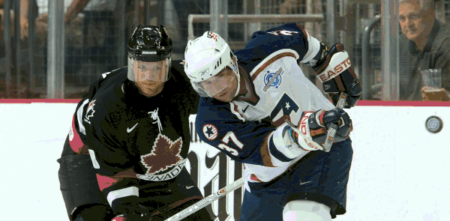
(125, 155)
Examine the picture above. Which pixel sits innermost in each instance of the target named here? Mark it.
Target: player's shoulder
(277, 31)
(178, 74)
(210, 109)
(101, 114)
(291, 26)
(275, 64)
(109, 91)
(214, 119)
(115, 72)
(266, 45)
(271, 37)
(179, 87)
(106, 98)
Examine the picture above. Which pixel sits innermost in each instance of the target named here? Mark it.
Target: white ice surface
(399, 169)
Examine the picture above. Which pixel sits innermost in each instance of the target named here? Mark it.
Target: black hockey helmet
(149, 50)
(150, 43)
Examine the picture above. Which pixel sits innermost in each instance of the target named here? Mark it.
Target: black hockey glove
(127, 209)
(312, 129)
(333, 68)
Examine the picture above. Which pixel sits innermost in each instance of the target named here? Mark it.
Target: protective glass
(217, 83)
(156, 71)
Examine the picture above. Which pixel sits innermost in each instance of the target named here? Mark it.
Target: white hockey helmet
(205, 57)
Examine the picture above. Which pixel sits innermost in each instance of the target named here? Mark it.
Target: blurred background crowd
(57, 48)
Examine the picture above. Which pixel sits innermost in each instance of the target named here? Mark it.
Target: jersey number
(234, 139)
(283, 32)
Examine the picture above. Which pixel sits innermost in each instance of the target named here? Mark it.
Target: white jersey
(283, 90)
(250, 128)
(289, 89)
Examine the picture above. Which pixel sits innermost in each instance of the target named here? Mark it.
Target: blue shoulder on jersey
(264, 43)
(219, 127)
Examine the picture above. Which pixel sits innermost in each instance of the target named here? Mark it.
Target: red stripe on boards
(360, 103)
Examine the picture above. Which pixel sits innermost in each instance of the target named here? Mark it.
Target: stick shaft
(208, 200)
(334, 127)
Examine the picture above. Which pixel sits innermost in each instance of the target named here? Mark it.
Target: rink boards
(398, 172)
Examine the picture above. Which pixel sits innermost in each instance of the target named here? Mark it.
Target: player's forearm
(316, 51)
(108, 181)
(280, 148)
(313, 44)
(334, 69)
(121, 185)
(121, 190)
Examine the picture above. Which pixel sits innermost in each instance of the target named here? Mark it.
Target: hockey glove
(333, 68)
(129, 210)
(312, 129)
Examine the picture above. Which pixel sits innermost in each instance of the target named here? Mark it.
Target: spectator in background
(90, 46)
(424, 45)
(24, 5)
(19, 84)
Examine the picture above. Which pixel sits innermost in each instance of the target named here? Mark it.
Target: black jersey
(126, 130)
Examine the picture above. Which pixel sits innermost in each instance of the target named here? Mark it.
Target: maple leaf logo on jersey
(165, 154)
(90, 112)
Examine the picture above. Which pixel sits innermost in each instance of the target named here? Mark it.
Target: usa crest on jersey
(210, 131)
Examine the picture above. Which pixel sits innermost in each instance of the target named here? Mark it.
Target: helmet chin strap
(236, 71)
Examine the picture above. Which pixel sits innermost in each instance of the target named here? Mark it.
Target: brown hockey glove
(336, 74)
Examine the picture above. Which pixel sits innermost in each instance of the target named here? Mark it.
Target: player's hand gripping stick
(334, 127)
(317, 130)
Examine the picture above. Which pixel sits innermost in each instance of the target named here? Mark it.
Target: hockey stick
(333, 128)
(206, 201)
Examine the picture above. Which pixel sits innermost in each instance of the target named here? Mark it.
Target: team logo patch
(90, 112)
(164, 162)
(210, 131)
(206, 71)
(273, 78)
(212, 35)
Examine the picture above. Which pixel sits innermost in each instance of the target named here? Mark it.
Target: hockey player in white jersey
(246, 99)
